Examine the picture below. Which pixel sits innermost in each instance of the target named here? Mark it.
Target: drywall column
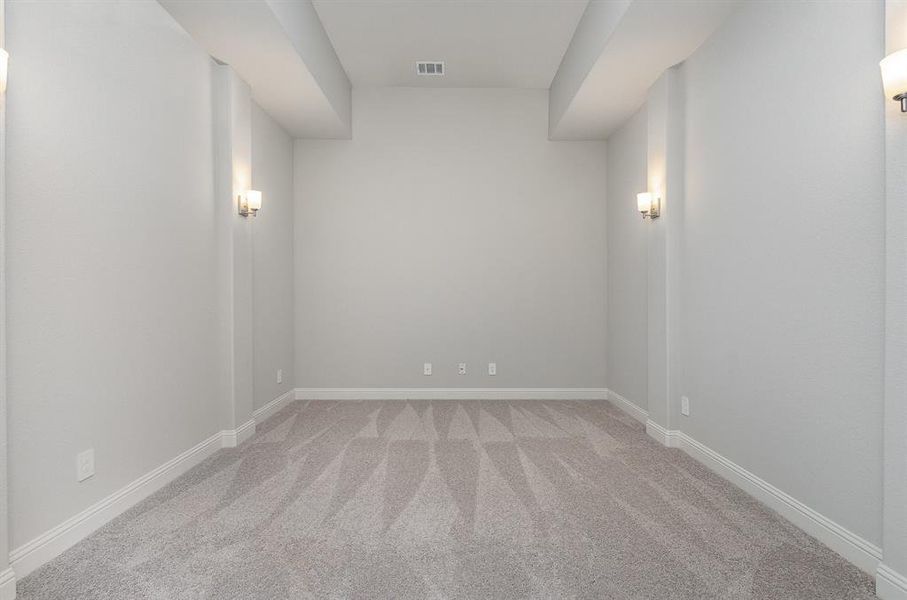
(664, 109)
(233, 176)
(7, 578)
(891, 577)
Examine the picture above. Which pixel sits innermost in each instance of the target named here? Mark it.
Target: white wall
(111, 251)
(7, 584)
(627, 262)
(782, 265)
(232, 137)
(272, 255)
(450, 230)
(891, 582)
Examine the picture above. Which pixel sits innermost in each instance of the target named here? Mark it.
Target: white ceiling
(484, 43)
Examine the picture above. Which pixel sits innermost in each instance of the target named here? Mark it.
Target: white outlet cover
(426, 369)
(84, 465)
(492, 368)
(685, 406)
(279, 375)
(461, 368)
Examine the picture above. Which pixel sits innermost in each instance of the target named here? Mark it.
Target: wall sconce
(249, 203)
(894, 76)
(4, 69)
(648, 204)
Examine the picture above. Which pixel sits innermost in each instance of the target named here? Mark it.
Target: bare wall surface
(782, 307)
(450, 230)
(627, 262)
(110, 251)
(4, 430)
(272, 256)
(894, 536)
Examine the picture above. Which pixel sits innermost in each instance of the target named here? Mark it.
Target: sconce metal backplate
(654, 209)
(902, 98)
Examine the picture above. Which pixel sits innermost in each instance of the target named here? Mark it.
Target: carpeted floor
(448, 499)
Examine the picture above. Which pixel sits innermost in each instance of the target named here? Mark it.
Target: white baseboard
(451, 394)
(890, 585)
(273, 407)
(862, 553)
(7, 585)
(665, 437)
(49, 545)
(628, 407)
(234, 437)
(33, 554)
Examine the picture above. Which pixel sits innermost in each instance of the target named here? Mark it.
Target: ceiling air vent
(430, 68)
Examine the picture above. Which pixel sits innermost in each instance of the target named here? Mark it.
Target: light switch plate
(426, 369)
(685, 406)
(492, 368)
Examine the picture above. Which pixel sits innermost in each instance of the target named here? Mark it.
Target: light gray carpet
(449, 499)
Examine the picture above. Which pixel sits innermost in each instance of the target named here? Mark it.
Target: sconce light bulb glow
(253, 199)
(4, 69)
(644, 202)
(894, 73)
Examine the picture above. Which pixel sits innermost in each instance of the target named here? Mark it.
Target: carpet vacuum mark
(449, 499)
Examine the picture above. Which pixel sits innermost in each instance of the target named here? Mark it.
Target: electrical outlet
(685, 406)
(279, 375)
(426, 369)
(492, 368)
(85, 465)
(461, 369)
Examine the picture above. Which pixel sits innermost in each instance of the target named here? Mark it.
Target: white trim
(273, 407)
(890, 585)
(31, 555)
(451, 394)
(855, 549)
(232, 438)
(47, 546)
(52, 543)
(628, 407)
(7, 585)
(665, 437)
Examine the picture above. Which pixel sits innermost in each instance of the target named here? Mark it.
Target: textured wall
(627, 262)
(272, 255)
(450, 230)
(895, 450)
(110, 251)
(782, 265)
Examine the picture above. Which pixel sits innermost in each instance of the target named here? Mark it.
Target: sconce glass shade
(4, 66)
(894, 76)
(249, 203)
(644, 202)
(648, 204)
(253, 199)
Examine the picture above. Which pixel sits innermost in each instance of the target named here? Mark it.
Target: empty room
(453, 299)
